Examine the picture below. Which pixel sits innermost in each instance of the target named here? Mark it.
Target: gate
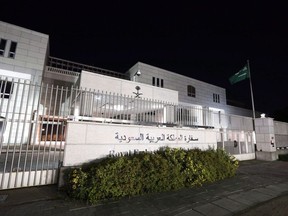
(32, 133)
(237, 143)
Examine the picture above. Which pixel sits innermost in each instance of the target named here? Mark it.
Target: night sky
(207, 40)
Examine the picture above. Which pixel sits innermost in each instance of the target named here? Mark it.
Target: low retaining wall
(86, 141)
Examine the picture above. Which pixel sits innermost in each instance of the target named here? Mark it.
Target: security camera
(138, 73)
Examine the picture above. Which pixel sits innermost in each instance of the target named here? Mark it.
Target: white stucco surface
(86, 141)
(91, 81)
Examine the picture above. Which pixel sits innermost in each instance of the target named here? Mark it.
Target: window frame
(12, 53)
(6, 89)
(216, 98)
(191, 91)
(3, 42)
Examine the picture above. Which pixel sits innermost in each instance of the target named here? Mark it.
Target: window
(12, 50)
(6, 89)
(191, 92)
(157, 82)
(216, 98)
(2, 46)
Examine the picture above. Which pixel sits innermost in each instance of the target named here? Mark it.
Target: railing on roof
(62, 71)
(78, 67)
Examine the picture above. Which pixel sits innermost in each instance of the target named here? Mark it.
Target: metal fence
(32, 130)
(33, 122)
(128, 109)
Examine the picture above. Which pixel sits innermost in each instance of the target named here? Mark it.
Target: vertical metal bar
(98, 98)
(81, 103)
(7, 109)
(70, 102)
(29, 133)
(142, 108)
(51, 133)
(10, 135)
(117, 112)
(23, 131)
(101, 103)
(84, 102)
(123, 103)
(75, 101)
(17, 133)
(41, 129)
(113, 103)
(3, 83)
(105, 106)
(120, 111)
(34, 138)
(139, 108)
(93, 95)
(91, 99)
(10, 132)
(111, 107)
(57, 131)
(63, 129)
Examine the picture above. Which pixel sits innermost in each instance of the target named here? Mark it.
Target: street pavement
(259, 188)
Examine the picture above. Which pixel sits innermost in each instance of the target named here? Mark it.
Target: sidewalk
(256, 183)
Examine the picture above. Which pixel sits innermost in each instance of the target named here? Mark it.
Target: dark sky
(207, 40)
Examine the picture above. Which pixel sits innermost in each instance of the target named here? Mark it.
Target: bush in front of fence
(148, 172)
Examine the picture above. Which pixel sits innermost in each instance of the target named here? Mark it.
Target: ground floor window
(52, 129)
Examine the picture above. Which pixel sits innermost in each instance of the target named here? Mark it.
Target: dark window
(157, 82)
(216, 98)
(6, 89)
(2, 46)
(191, 92)
(12, 50)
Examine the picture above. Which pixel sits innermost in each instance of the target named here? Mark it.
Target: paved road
(276, 207)
(256, 183)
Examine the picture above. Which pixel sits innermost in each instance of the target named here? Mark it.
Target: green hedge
(283, 157)
(146, 172)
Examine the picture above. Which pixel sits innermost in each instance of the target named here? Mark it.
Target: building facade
(50, 104)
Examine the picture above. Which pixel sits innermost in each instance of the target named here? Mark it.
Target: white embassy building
(76, 113)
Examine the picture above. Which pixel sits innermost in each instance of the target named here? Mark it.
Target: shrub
(283, 157)
(144, 172)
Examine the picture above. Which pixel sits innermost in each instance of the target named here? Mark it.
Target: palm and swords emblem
(137, 94)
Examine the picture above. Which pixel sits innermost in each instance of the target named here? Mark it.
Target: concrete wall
(281, 134)
(238, 111)
(99, 82)
(265, 137)
(177, 82)
(86, 141)
(265, 134)
(31, 51)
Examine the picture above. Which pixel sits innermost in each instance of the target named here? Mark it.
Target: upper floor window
(157, 82)
(12, 49)
(216, 98)
(191, 92)
(6, 89)
(2, 46)
(162, 83)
